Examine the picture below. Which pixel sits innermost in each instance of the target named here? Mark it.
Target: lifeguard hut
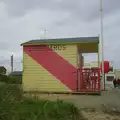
(56, 65)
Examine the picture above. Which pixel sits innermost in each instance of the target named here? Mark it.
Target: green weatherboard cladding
(63, 40)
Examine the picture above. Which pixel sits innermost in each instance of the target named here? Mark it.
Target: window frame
(109, 77)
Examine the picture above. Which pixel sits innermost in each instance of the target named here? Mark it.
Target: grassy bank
(13, 106)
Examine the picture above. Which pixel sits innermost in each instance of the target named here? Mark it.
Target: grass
(13, 106)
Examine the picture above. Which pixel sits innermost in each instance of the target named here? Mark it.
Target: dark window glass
(109, 78)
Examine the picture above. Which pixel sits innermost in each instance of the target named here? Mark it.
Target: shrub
(14, 107)
(15, 80)
(2, 70)
(4, 78)
(7, 102)
(47, 110)
(11, 79)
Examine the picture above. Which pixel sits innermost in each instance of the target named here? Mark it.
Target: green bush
(14, 107)
(11, 79)
(8, 97)
(4, 78)
(49, 110)
(15, 80)
(2, 70)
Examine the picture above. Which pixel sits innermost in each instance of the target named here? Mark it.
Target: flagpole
(11, 63)
(102, 44)
(45, 33)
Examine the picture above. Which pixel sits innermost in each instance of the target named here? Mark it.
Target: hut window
(110, 78)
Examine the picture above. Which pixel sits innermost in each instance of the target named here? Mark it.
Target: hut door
(89, 80)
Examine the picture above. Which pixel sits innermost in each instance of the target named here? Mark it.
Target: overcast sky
(22, 20)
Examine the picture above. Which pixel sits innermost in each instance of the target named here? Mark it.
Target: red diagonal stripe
(55, 64)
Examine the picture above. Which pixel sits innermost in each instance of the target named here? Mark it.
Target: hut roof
(63, 40)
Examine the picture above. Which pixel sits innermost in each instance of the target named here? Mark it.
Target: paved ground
(100, 116)
(109, 98)
(94, 107)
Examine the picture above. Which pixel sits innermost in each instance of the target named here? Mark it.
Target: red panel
(106, 66)
(81, 62)
(89, 80)
(55, 64)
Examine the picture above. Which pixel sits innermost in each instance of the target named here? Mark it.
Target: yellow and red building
(50, 65)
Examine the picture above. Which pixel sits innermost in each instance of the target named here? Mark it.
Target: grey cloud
(4, 45)
(79, 9)
(65, 18)
(5, 61)
(21, 7)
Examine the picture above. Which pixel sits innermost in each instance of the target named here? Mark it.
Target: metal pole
(45, 33)
(102, 44)
(11, 63)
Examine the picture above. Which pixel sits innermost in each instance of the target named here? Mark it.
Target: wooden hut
(51, 65)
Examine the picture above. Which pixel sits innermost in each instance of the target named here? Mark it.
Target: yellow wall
(36, 78)
(88, 48)
(69, 54)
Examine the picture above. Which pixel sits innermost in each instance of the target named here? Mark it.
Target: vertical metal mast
(102, 43)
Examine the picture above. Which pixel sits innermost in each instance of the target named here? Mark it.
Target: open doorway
(87, 55)
(88, 78)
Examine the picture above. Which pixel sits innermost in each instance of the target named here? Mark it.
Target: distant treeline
(11, 79)
(3, 70)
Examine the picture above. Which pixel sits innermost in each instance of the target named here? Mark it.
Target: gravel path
(99, 116)
(109, 98)
(108, 102)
